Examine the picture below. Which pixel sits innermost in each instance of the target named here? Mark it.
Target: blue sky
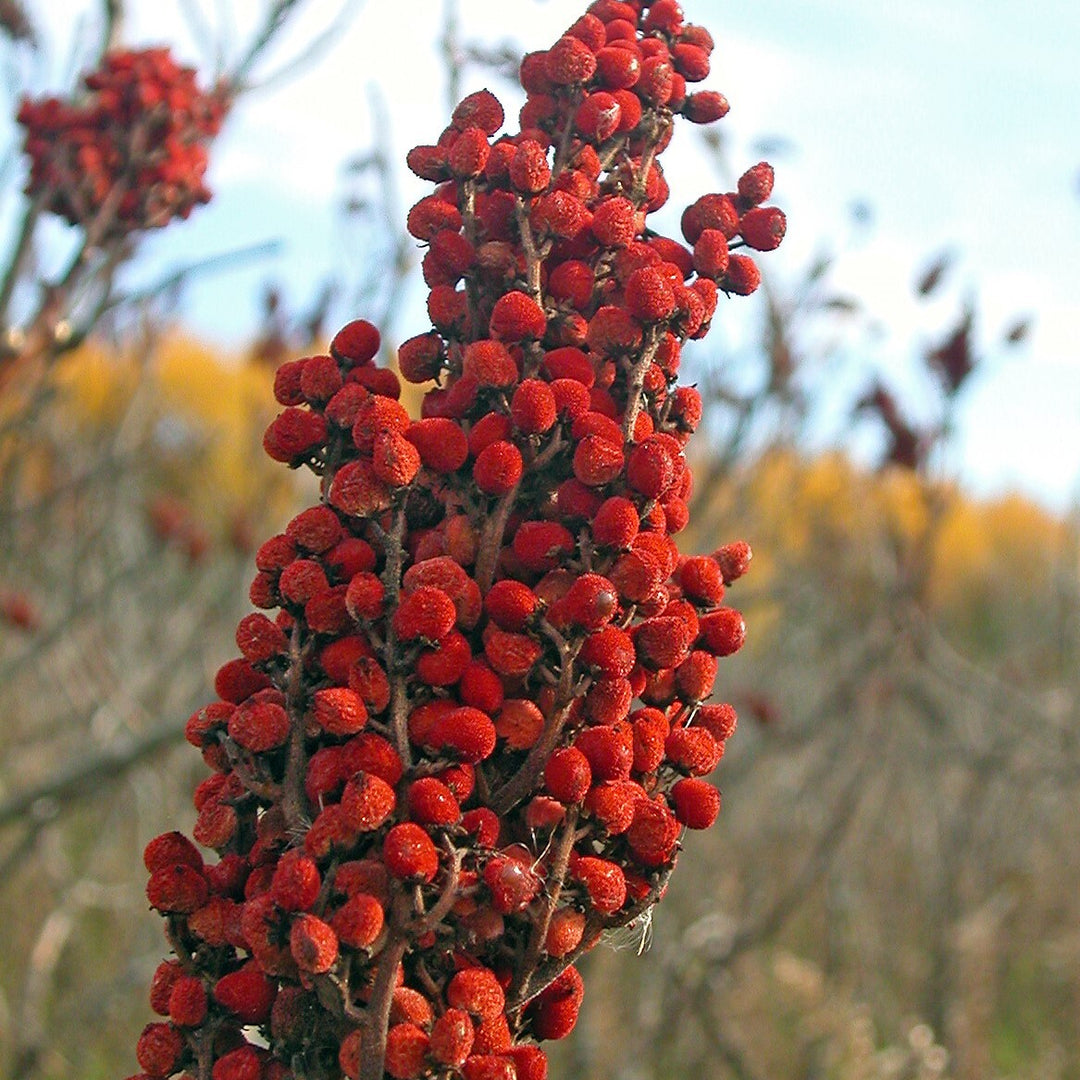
(958, 123)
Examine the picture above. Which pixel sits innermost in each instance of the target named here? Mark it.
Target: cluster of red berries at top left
(132, 153)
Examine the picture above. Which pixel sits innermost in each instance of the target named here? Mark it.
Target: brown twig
(293, 797)
(399, 691)
(553, 884)
(636, 380)
(431, 919)
(377, 1018)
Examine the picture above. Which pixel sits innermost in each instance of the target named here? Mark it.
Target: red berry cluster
(132, 153)
(469, 740)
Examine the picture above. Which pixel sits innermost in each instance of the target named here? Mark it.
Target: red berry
(431, 802)
(176, 889)
(763, 227)
(367, 801)
(483, 824)
(247, 993)
(612, 804)
(651, 729)
(509, 604)
(568, 775)
(358, 492)
(702, 579)
(597, 461)
(517, 316)
(159, 1050)
(618, 69)
(498, 468)
(756, 184)
(420, 358)
(711, 255)
(427, 612)
(598, 116)
(649, 296)
(510, 654)
(705, 107)
(565, 931)
(695, 676)
(742, 277)
(530, 1062)
(569, 362)
(489, 1067)
(480, 687)
(511, 883)
(410, 853)
(468, 153)
(296, 882)
(481, 110)
(529, 170)
(590, 602)
(656, 82)
(519, 723)
(693, 750)
(394, 459)
(614, 222)
(718, 720)
(611, 651)
(411, 1007)
(339, 711)
(313, 944)
(171, 849)
(164, 979)
(691, 61)
(443, 446)
(444, 663)
(604, 881)
(697, 802)
(723, 631)
(710, 212)
(532, 407)
(406, 1051)
(349, 1054)
(356, 342)
(452, 1038)
(664, 15)
(467, 732)
(541, 545)
(653, 832)
(609, 749)
(477, 991)
(569, 61)
(663, 641)
(590, 30)
(187, 1002)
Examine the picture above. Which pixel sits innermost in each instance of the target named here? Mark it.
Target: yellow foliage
(799, 512)
(100, 383)
(207, 414)
(1008, 544)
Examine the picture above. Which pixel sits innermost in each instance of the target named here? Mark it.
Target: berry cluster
(132, 153)
(467, 743)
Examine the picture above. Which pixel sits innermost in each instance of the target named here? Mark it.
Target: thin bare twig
(318, 47)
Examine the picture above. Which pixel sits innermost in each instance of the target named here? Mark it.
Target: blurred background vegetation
(892, 890)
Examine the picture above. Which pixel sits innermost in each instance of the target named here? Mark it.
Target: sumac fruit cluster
(131, 153)
(470, 718)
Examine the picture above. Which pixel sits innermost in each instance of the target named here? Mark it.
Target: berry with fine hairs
(470, 722)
